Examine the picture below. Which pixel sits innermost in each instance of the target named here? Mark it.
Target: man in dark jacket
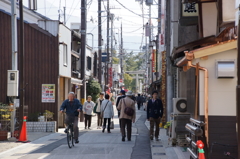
(154, 114)
(73, 107)
(122, 95)
(139, 101)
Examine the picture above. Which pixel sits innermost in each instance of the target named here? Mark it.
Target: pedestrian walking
(73, 107)
(107, 111)
(122, 95)
(154, 114)
(87, 110)
(144, 102)
(98, 110)
(139, 101)
(125, 106)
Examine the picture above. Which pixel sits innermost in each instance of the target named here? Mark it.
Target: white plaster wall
(222, 92)
(228, 8)
(29, 16)
(209, 18)
(64, 37)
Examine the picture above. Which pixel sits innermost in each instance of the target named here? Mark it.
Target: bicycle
(70, 132)
(70, 135)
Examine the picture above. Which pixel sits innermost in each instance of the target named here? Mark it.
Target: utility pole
(111, 75)
(147, 57)
(158, 38)
(107, 62)
(99, 43)
(150, 39)
(121, 56)
(64, 15)
(83, 49)
(238, 87)
(22, 61)
(14, 55)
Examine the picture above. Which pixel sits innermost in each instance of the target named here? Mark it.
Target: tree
(93, 89)
(115, 60)
(127, 81)
(133, 62)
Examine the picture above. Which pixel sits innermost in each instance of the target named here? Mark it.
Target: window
(65, 55)
(89, 63)
(95, 65)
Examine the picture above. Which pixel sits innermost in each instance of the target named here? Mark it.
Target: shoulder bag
(127, 110)
(112, 125)
(102, 113)
(95, 108)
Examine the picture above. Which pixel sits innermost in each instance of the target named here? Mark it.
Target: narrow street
(95, 144)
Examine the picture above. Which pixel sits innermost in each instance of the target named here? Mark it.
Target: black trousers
(139, 105)
(119, 119)
(88, 120)
(105, 123)
(127, 122)
(74, 120)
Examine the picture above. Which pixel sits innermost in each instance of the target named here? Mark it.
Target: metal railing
(195, 131)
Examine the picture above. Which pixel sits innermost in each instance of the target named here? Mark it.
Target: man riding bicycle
(73, 107)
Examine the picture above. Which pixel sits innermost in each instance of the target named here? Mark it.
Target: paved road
(93, 144)
(97, 145)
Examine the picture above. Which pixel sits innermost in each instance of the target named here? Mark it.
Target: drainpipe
(205, 98)
(190, 57)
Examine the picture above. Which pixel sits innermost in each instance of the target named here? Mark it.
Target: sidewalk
(95, 144)
(163, 150)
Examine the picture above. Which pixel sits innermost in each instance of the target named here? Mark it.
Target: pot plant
(167, 127)
(5, 115)
(48, 115)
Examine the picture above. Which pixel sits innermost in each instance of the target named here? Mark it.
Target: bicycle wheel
(72, 134)
(69, 138)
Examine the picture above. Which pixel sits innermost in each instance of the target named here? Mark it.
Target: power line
(72, 11)
(134, 30)
(50, 6)
(96, 26)
(71, 8)
(130, 10)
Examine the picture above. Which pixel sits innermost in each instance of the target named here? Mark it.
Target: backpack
(127, 110)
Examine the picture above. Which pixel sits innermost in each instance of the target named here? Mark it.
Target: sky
(133, 36)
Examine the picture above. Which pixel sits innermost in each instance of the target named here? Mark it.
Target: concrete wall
(29, 15)
(90, 54)
(222, 92)
(64, 37)
(209, 18)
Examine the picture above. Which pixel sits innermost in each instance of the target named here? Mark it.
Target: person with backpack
(107, 112)
(127, 110)
(139, 101)
(154, 114)
(98, 110)
(122, 95)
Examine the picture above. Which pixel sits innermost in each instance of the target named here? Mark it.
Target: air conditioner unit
(180, 106)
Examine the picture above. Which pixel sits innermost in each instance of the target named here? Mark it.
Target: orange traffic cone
(200, 150)
(23, 133)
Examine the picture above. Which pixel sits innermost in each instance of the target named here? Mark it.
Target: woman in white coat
(107, 109)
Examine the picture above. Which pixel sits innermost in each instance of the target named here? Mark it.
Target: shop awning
(76, 81)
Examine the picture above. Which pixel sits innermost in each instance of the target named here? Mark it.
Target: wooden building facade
(41, 64)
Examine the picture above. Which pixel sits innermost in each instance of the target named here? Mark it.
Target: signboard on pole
(48, 93)
(110, 79)
(154, 60)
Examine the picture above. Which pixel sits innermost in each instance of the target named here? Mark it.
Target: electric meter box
(12, 83)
